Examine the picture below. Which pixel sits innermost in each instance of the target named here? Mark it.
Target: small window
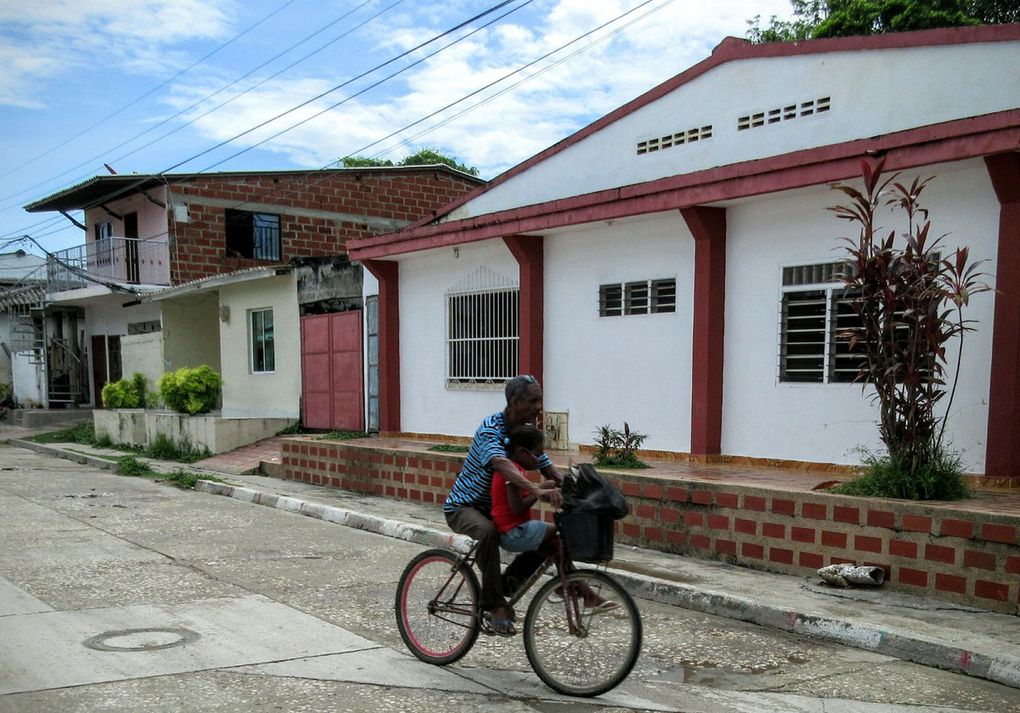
(610, 300)
(253, 235)
(636, 296)
(643, 297)
(263, 349)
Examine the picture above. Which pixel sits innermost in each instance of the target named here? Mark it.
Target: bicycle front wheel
(583, 639)
(436, 607)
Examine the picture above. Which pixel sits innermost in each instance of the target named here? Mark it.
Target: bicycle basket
(587, 536)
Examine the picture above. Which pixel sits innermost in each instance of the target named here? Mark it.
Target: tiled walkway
(246, 459)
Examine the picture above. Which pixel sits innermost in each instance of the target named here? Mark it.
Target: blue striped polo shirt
(474, 482)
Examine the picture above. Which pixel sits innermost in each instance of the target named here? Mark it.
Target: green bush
(126, 393)
(618, 449)
(885, 476)
(191, 390)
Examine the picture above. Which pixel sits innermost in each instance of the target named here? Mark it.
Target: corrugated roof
(99, 189)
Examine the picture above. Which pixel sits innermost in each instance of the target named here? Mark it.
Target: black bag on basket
(590, 504)
(584, 490)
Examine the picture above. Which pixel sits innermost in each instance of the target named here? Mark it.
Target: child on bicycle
(511, 506)
(511, 513)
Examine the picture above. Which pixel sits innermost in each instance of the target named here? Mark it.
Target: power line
(364, 74)
(532, 63)
(213, 94)
(283, 193)
(364, 90)
(150, 92)
(142, 179)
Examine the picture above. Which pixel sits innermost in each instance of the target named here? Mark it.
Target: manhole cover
(141, 639)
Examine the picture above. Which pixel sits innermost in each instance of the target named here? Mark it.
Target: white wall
(871, 93)
(600, 370)
(191, 332)
(826, 423)
(426, 404)
(636, 368)
(143, 353)
(269, 395)
(28, 380)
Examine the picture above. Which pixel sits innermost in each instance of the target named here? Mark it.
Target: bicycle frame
(557, 557)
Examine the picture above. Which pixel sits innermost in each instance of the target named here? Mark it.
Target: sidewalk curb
(904, 645)
(897, 645)
(48, 450)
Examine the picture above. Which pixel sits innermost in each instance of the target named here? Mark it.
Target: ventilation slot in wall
(783, 113)
(678, 139)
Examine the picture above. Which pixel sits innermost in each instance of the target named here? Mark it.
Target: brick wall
(406, 195)
(931, 550)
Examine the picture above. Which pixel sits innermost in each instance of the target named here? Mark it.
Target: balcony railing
(122, 260)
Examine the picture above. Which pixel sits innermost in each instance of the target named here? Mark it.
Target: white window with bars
(816, 312)
(641, 297)
(482, 331)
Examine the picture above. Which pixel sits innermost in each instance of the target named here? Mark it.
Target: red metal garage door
(331, 372)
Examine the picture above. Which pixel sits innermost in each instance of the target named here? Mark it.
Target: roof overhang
(103, 189)
(97, 294)
(95, 191)
(211, 284)
(958, 140)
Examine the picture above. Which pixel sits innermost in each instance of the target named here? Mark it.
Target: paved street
(248, 608)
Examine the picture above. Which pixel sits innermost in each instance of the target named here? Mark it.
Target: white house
(640, 267)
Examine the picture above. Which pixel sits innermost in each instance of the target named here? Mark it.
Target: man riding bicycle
(468, 506)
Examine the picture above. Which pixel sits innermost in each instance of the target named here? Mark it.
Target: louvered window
(642, 297)
(816, 315)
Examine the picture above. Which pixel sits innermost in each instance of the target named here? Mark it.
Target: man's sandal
(498, 626)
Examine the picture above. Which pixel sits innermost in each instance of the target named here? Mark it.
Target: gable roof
(432, 232)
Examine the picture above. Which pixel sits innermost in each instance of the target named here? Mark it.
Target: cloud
(41, 41)
(509, 128)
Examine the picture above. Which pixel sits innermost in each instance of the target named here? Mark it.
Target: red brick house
(183, 235)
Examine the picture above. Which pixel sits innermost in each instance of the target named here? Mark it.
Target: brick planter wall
(933, 550)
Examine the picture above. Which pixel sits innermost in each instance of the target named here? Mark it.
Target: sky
(188, 86)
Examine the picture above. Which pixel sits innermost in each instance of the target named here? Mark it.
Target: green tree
(843, 18)
(424, 157)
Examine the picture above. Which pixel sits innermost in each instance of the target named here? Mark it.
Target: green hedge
(191, 390)
(126, 393)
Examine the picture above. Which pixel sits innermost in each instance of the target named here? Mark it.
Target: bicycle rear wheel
(600, 651)
(436, 607)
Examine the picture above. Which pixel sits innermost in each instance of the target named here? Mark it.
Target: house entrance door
(332, 382)
(131, 247)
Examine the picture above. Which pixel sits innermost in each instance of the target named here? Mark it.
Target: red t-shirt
(505, 518)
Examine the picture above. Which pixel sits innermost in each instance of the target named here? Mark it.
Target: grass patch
(186, 479)
(292, 429)
(449, 448)
(343, 435)
(941, 478)
(623, 459)
(133, 468)
(83, 433)
(165, 448)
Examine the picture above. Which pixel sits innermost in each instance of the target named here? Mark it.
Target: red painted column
(1002, 454)
(389, 342)
(708, 226)
(528, 251)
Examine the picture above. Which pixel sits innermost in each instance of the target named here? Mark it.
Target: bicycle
(576, 647)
